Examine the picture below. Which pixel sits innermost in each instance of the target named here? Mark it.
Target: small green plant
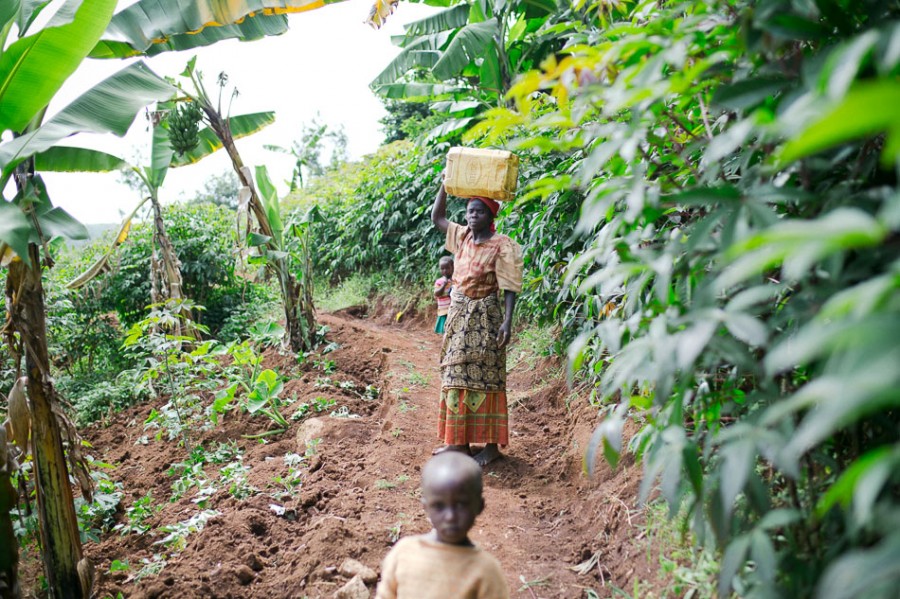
(98, 516)
(417, 379)
(267, 333)
(177, 534)
(161, 342)
(235, 475)
(312, 447)
(222, 403)
(137, 516)
(289, 482)
(395, 531)
(343, 412)
(384, 484)
(405, 407)
(119, 566)
(151, 567)
(327, 366)
(264, 398)
(319, 404)
(396, 432)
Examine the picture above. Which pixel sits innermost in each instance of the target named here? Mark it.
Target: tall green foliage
(464, 57)
(741, 215)
(385, 217)
(203, 237)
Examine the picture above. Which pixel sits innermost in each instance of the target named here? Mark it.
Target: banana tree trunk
(298, 307)
(9, 546)
(165, 269)
(171, 282)
(61, 546)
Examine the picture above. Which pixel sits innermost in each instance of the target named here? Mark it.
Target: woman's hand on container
(503, 334)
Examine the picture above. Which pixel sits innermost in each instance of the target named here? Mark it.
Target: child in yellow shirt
(445, 564)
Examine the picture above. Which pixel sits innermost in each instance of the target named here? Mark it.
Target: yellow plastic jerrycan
(486, 173)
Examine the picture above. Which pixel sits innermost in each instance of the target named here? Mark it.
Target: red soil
(543, 515)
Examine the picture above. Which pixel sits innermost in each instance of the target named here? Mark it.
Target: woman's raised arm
(439, 211)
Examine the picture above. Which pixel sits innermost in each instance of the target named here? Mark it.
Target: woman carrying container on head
(473, 354)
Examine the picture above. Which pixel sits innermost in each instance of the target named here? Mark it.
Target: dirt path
(359, 490)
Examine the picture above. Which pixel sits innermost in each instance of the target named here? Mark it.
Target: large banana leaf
(152, 22)
(241, 126)
(25, 12)
(33, 68)
(8, 11)
(416, 91)
(452, 18)
(161, 151)
(468, 44)
(15, 229)
(108, 107)
(250, 29)
(69, 159)
(269, 196)
(422, 53)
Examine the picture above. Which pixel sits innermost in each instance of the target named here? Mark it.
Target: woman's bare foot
(461, 448)
(487, 455)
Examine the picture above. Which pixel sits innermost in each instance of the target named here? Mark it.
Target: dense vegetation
(710, 212)
(731, 273)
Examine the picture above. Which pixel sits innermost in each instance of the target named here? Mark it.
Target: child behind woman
(442, 288)
(445, 564)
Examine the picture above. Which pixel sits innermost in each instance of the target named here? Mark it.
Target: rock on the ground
(244, 574)
(355, 589)
(351, 567)
(311, 428)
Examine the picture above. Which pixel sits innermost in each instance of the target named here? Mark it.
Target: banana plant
(471, 50)
(262, 203)
(165, 269)
(149, 27)
(33, 67)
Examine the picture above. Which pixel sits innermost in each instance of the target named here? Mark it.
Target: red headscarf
(492, 205)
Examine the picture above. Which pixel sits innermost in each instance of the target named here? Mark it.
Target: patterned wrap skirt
(473, 374)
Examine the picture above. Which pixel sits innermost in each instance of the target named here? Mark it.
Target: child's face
(452, 506)
(446, 268)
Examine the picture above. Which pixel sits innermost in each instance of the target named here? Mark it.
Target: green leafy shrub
(710, 207)
(203, 237)
(738, 281)
(94, 399)
(385, 218)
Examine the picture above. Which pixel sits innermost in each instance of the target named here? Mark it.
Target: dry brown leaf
(19, 414)
(7, 255)
(77, 463)
(379, 12)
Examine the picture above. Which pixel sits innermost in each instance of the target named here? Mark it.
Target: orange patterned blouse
(480, 269)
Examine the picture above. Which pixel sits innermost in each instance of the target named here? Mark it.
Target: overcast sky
(323, 64)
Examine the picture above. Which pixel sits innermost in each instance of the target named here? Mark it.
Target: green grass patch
(686, 570)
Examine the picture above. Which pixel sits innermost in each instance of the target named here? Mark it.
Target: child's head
(445, 265)
(451, 494)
